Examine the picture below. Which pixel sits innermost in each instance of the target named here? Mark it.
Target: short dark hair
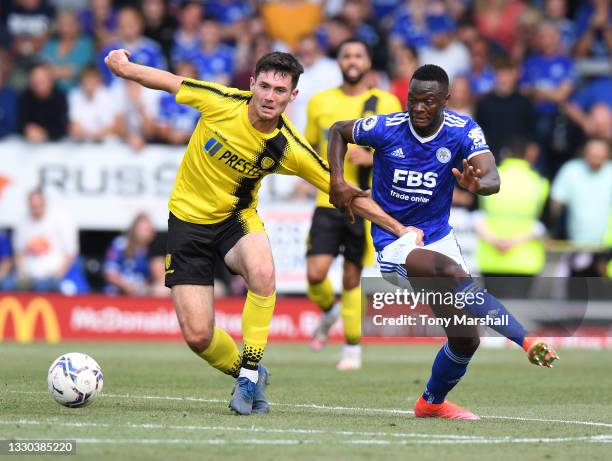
(283, 63)
(355, 40)
(504, 62)
(431, 73)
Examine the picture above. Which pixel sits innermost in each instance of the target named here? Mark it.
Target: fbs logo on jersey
(413, 186)
(443, 155)
(415, 179)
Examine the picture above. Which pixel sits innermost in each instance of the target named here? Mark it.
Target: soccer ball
(75, 380)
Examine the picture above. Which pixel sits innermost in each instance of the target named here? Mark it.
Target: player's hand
(341, 195)
(469, 178)
(504, 246)
(419, 240)
(116, 59)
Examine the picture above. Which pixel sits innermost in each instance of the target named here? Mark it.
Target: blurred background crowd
(536, 75)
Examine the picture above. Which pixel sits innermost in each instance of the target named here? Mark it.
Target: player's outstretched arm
(341, 194)
(156, 79)
(479, 175)
(350, 198)
(370, 210)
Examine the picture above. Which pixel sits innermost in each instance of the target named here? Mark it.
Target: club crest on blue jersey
(443, 155)
(369, 122)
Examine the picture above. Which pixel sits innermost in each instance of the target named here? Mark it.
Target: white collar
(428, 138)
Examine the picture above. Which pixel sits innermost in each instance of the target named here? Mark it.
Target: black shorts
(193, 249)
(331, 233)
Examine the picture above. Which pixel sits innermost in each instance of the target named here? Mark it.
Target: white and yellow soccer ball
(75, 380)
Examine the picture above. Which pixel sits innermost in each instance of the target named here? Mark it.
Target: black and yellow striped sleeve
(302, 160)
(208, 96)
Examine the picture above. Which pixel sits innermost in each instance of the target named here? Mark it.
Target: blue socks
(448, 368)
(483, 304)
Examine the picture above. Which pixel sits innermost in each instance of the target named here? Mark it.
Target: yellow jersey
(329, 106)
(227, 158)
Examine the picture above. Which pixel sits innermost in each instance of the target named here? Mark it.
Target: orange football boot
(446, 409)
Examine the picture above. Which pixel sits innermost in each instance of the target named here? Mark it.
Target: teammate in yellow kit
(331, 232)
(241, 137)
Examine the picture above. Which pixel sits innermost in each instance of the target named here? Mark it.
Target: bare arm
(349, 198)
(126, 287)
(370, 210)
(340, 192)
(156, 79)
(6, 265)
(479, 175)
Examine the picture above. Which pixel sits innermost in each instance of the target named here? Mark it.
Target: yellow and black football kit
(214, 199)
(215, 192)
(331, 232)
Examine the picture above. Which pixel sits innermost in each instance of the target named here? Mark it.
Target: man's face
(210, 33)
(426, 100)
(37, 205)
(596, 154)
(41, 82)
(272, 91)
(129, 25)
(505, 80)
(354, 62)
(308, 51)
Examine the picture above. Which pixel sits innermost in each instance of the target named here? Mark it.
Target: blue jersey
(145, 51)
(135, 268)
(211, 66)
(179, 117)
(547, 73)
(412, 178)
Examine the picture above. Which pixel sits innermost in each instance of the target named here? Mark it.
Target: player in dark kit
(416, 160)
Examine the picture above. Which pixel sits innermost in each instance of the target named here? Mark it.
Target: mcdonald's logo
(25, 317)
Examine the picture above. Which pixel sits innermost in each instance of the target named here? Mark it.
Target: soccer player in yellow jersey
(241, 137)
(332, 232)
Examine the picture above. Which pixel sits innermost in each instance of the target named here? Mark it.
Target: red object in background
(54, 318)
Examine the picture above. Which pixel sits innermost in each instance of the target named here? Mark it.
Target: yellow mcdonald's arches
(25, 317)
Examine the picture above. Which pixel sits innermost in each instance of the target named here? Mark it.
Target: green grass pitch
(162, 402)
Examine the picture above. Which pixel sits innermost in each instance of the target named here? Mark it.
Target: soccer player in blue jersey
(418, 156)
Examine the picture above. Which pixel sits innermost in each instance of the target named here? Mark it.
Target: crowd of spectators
(539, 71)
(51, 55)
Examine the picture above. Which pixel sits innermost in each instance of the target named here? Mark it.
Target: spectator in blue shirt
(410, 27)
(175, 122)
(414, 21)
(548, 75)
(548, 79)
(233, 15)
(186, 41)
(8, 98)
(482, 73)
(127, 264)
(7, 265)
(594, 28)
(556, 11)
(99, 21)
(69, 52)
(595, 95)
(214, 61)
(143, 50)
(382, 10)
